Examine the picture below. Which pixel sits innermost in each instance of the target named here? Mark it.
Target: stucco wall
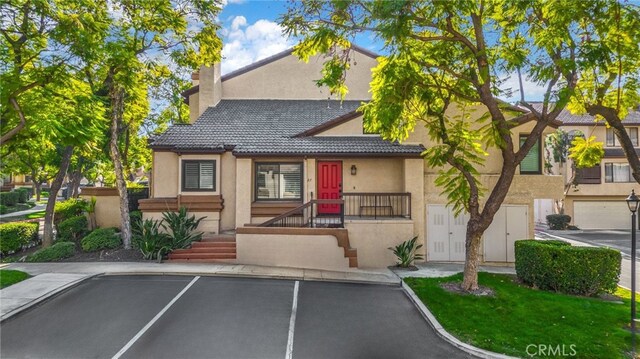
(290, 78)
(209, 225)
(165, 174)
(227, 177)
(107, 210)
(373, 175)
(372, 238)
(350, 128)
(243, 191)
(300, 251)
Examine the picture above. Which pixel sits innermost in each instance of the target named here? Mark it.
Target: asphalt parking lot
(215, 317)
(612, 238)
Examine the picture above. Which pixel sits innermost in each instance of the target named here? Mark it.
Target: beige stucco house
(291, 178)
(597, 202)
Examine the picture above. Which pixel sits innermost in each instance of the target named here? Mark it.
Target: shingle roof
(567, 118)
(263, 127)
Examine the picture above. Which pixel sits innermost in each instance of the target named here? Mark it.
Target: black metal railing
(377, 205)
(330, 214)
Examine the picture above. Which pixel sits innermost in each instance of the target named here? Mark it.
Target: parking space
(214, 317)
(616, 239)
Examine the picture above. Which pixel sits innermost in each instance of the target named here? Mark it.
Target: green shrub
(3, 209)
(181, 228)
(9, 199)
(56, 252)
(44, 194)
(70, 208)
(558, 221)
(72, 229)
(23, 195)
(15, 235)
(101, 238)
(147, 237)
(406, 252)
(558, 266)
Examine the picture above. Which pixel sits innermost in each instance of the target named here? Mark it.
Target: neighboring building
(16, 181)
(598, 200)
(269, 158)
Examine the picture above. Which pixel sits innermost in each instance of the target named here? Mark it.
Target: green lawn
(518, 316)
(9, 277)
(34, 215)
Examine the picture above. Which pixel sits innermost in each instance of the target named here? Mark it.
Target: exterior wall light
(354, 170)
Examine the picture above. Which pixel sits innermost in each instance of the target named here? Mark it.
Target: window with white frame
(612, 140)
(617, 172)
(198, 175)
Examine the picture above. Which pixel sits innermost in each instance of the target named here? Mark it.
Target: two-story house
(597, 202)
(291, 178)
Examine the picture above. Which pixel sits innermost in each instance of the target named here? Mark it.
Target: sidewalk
(37, 208)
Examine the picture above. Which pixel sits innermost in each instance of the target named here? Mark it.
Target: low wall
(107, 205)
(372, 238)
(291, 247)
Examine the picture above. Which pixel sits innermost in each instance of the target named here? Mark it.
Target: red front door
(329, 185)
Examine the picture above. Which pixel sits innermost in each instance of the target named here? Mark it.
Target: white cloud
(532, 90)
(247, 43)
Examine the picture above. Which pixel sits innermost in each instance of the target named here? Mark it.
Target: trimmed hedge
(101, 238)
(9, 199)
(15, 235)
(23, 195)
(558, 221)
(3, 209)
(56, 252)
(558, 266)
(73, 229)
(70, 208)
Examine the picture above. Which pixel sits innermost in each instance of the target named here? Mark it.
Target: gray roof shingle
(567, 118)
(263, 127)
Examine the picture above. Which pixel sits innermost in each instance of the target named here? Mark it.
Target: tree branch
(23, 122)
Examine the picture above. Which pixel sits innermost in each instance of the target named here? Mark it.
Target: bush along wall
(69, 208)
(73, 229)
(558, 266)
(17, 235)
(558, 221)
(9, 199)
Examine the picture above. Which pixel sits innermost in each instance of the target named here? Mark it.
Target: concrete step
(213, 245)
(219, 238)
(212, 250)
(210, 256)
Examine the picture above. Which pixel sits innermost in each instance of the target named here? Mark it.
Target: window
(617, 172)
(278, 181)
(198, 175)
(589, 175)
(531, 163)
(612, 140)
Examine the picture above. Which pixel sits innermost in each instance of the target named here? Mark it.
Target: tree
(609, 87)
(561, 147)
(129, 63)
(444, 54)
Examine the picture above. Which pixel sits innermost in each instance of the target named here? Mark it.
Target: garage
(601, 214)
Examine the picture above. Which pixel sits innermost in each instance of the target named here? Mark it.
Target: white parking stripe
(292, 321)
(155, 319)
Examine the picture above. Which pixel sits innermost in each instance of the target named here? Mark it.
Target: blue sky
(250, 32)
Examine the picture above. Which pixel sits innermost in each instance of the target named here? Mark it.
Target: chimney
(210, 84)
(195, 79)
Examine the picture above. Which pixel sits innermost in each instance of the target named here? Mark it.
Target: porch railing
(377, 205)
(306, 215)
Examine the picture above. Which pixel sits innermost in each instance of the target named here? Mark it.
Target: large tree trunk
(47, 238)
(38, 189)
(116, 95)
(472, 258)
(76, 177)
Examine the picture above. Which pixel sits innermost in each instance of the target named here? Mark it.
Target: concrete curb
(46, 296)
(259, 276)
(442, 333)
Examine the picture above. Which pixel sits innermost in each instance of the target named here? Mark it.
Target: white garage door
(601, 215)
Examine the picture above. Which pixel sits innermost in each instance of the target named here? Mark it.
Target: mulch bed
(107, 255)
(455, 287)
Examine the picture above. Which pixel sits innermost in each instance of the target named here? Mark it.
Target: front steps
(213, 248)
